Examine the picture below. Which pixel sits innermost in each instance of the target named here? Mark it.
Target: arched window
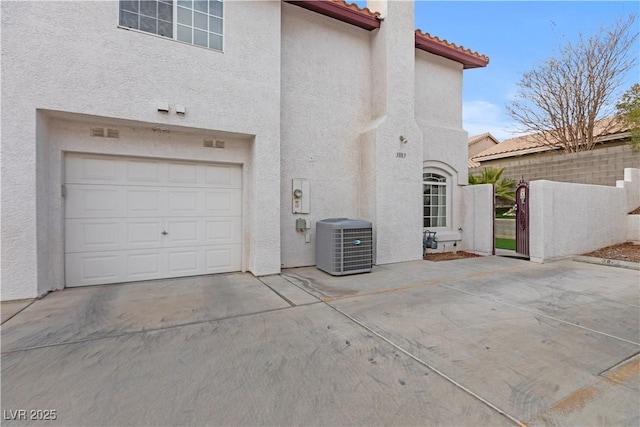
(435, 200)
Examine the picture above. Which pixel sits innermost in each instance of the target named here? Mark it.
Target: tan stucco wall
(480, 146)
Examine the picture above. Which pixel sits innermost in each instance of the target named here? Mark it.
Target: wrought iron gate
(522, 218)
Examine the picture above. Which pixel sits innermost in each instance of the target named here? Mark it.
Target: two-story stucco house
(153, 139)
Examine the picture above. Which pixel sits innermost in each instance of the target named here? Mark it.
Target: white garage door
(130, 219)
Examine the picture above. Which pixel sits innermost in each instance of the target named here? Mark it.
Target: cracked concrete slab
(11, 308)
(466, 342)
(577, 293)
(288, 290)
(495, 334)
(305, 365)
(97, 311)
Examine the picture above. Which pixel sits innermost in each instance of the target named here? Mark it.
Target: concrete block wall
(505, 228)
(598, 167)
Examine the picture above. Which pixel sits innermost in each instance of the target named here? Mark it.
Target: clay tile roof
(518, 145)
(466, 57)
(365, 18)
(341, 10)
(356, 8)
(472, 164)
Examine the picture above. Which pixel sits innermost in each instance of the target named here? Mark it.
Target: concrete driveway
(473, 342)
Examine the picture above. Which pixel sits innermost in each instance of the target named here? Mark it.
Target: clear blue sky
(516, 35)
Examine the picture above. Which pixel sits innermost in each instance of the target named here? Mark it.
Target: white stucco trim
(69, 133)
(568, 219)
(451, 175)
(333, 115)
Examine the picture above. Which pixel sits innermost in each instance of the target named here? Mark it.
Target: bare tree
(561, 101)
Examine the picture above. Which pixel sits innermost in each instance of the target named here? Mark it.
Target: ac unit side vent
(344, 246)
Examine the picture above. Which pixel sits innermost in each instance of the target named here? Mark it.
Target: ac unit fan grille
(353, 249)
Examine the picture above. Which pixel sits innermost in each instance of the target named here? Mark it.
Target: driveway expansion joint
(276, 292)
(143, 331)
(430, 367)
(20, 311)
(536, 313)
(616, 376)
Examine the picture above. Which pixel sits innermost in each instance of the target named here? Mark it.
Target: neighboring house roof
(479, 143)
(512, 147)
(472, 164)
(607, 129)
(365, 18)
(475, 139)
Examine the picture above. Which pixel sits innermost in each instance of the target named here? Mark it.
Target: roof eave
(467, 60)
(334, 10)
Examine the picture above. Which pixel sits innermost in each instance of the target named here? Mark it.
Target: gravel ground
(623, 252)
(448, 256)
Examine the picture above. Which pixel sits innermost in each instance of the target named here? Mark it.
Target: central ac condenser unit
(344, 246)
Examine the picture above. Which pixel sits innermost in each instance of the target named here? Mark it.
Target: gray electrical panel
(344, 246)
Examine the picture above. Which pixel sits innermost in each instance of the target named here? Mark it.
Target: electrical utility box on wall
(344, 246)
(300, 196)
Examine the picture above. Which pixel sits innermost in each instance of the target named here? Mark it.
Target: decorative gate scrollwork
(522, 218)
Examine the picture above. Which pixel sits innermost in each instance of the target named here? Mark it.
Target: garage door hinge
(63, 191)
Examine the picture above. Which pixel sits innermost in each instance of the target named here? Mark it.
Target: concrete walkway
(479, 341)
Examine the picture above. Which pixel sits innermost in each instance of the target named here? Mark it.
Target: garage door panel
(185, 262)
(144, 265)
(222, 258)
(223, 231)
(144, 172)
(84, 169)
(145, 233)
(93, 269)
(93, 235)
(223, 176)
(183, 173)
(89, 235)
(100, 201)
(86, 201)
(222, 202)
(187, 231)
(143, 201)
(185, 202)
(130, 219)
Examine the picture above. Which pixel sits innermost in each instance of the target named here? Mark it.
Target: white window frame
(444, 184)
(175, 25)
